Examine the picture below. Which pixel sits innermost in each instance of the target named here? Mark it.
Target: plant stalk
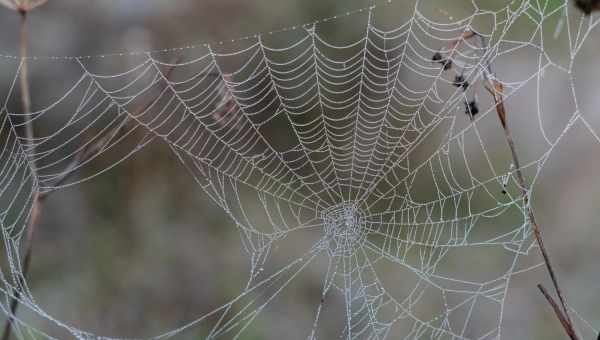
(30, 148)
(39, 197)
(563, 315)
(496, 90)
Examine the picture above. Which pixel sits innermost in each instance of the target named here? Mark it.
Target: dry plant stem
(23, 77)
(564, 322)
(36, 206)
(562, 315)
(496, 90)
(81, 157)
(14, 302)
(86, 153)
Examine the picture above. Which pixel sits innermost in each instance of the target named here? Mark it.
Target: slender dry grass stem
(23, 77)
(29, 135)
(81, 157)
(496, 90)
(566, 323)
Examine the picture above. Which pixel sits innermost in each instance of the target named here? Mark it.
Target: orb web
(363, 142)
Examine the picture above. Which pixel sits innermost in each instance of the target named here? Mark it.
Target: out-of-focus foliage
(140, 249)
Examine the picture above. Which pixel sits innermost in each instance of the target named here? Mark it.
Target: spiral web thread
(365, 144)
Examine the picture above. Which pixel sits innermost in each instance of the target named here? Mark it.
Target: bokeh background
(141, 250)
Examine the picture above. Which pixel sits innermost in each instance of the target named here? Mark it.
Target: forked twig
(81, 157)
(23, 8)
(496, 90)
(563, 315)
(566, 323)
(92, 149)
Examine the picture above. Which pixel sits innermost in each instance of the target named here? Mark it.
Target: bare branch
(35, 209)
(92, 149)
(566, 324)
(496, 90)
(81, 157)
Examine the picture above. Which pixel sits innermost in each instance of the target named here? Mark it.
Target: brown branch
(92, 149)
(496, 90)
(564, 322)
(497, 94)
(24, 79)
(31, 227)
(81, 157)
(35, 208)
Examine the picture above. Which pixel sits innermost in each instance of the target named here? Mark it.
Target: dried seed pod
(22, 6)
(460, 81)
(439, 58)
(446, 64)
(471, 108)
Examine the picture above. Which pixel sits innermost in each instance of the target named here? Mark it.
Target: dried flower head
(471, 108)
(22, 5)
(225, 113)
(446, 64)
(460, 81)
(438, 58)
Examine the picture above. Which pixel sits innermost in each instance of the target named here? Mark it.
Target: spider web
(362, 142)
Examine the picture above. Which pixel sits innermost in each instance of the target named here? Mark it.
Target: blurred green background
(141, 250)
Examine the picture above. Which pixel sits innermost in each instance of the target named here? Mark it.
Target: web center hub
(345, 229)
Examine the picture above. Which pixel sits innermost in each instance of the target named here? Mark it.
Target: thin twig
(564, 322)
(92, 149)
(35, 208)
(496, 90)
(24, 80)
(81, 157)
(497, 94)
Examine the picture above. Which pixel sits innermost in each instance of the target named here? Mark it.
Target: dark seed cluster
(471, 108)
(460, 81)
(438, 58)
